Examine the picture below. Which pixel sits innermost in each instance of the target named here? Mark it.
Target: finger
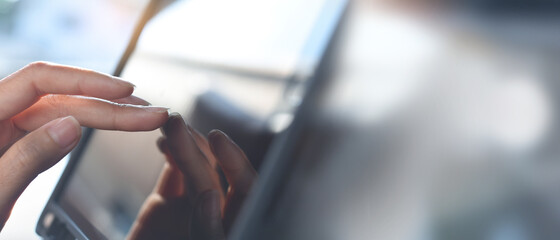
(91, 112)
(237, 168)
(188, 157)
(202, 143)
(162, 146)
(33, 154)
(238, 171)
(207, 221)
(132, 100)
(170, 182)
(10, 134)
(24, 87)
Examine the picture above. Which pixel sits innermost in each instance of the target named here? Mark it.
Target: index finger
(24, 87)
(189, 158)
(237, 168)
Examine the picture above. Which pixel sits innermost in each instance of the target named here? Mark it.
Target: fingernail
(173, 121)
(175, 115)
(211, 204)
(65, 131)
(139, 101)
(122, 82)
(156, 109)
(217, 137)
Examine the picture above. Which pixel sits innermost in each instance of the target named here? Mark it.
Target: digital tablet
(111, 173)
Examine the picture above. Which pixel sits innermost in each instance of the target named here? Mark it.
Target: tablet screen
(116, 171)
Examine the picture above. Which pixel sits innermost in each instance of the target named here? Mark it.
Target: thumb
(207, 220)
(31, 155)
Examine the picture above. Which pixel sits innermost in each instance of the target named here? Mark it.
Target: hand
(188, 201)
(41, 109)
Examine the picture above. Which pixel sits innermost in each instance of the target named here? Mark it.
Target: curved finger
(91, 112)
(203, 144)
(21, 89)
(188, 157)
(170, 182)
(10, 134)
(162, 146)
(31, 155)
(237, 168)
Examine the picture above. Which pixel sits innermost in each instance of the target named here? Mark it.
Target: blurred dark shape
(515, 6)
(212, 111)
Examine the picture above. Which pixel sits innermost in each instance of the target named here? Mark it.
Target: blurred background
(439, 120)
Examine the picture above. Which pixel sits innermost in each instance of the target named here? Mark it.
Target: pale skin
(42, 107)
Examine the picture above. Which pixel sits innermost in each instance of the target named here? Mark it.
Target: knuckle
(116, 110)
(34, 71)
(39, 65)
